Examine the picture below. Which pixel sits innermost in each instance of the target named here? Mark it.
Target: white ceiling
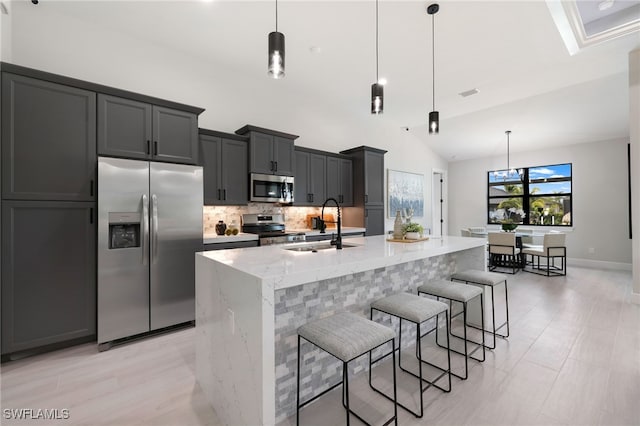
(510, 51)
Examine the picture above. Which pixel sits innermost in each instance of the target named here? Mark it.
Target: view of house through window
(530, 196)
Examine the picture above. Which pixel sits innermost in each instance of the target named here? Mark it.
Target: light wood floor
(573, 358)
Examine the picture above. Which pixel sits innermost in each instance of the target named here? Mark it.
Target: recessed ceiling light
(315, 49)
(468, 93)
(604, 5)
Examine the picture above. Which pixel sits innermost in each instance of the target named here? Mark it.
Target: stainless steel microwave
(271, 188)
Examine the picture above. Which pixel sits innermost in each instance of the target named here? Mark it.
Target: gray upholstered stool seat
(409, 307)
(461, 293)
(346, 336)
(479, 277)
(490, 280)
(415, 309)
(450, 290)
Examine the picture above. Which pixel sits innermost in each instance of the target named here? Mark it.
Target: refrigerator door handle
(145, 230)
(154, 224)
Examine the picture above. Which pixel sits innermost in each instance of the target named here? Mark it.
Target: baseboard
(599, 264)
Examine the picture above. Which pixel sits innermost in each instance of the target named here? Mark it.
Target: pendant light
(511, 173)
(377, 89)
(276, 51)
(434, 116)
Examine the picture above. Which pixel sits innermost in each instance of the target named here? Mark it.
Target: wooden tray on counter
(403, 240)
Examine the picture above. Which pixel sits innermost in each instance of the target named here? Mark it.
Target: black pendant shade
(434, 122)
(377, 98)
(276, 54)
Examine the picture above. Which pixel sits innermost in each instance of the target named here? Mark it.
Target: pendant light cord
(276, 15)
(377, 78)
(433, 59)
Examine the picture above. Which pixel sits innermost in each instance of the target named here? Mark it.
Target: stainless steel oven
(271, 188)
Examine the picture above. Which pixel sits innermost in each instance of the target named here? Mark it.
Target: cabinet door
(124, 128)
(283, 156)
(48, 141)
(374, 179)
(333, 187)
(48, 273)
(346, 182)
(234, 175)
(374, 221)
(261, 153)
(210, 149)
(175, 136)
(301, 193)
(317, 178)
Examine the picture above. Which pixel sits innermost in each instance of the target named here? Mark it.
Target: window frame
(526, 195)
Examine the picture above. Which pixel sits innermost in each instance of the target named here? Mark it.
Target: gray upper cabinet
(270, 151)
(340, 180)
(48, 273)
(224, 162)
(368, 190)
(48, 140)
(175, 136)
(124, 128)
(138, 130)
(310, 174)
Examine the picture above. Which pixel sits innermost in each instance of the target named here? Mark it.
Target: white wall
(232, 98)
(600, 196)
(5, 31)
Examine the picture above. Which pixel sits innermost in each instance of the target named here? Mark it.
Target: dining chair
(503, 252)
(553, 247)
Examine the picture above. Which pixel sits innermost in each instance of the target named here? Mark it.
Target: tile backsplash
(295, 217)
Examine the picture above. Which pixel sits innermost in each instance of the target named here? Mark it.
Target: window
(531, 196)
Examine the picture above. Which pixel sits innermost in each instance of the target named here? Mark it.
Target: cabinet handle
(366, 199)
(91, 188)
(271, 166)
(148, 147)
(276, 166)
(219, 195)
(224, 194)
(155, 147)
(91, 215)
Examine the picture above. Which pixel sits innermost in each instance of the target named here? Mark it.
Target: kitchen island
(250, 302)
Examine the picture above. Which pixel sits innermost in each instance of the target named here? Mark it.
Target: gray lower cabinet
(48, 273)
(224, 163)
(374, 221)
(138, 130)
(48, 140)
(231, 245)
(340, 180)
(310, 174)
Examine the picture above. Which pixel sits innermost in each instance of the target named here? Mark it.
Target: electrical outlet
(591, 250)
(232, 321)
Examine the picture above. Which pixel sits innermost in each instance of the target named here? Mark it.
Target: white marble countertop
(281, 268)
(216, 239)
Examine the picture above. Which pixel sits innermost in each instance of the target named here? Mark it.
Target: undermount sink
(315, 247)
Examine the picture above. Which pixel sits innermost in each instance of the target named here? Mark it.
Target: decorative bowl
(509, 227)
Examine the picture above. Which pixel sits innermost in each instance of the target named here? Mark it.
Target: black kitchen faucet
(338, 240)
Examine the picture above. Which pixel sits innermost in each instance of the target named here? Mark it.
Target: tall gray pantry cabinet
(48, 207)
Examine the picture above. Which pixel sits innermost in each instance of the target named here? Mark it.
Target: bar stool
(461, 293)
(489, 280)
(415, 309)
(346, 336)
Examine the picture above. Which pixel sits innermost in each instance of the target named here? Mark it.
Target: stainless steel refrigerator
(149, 227)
